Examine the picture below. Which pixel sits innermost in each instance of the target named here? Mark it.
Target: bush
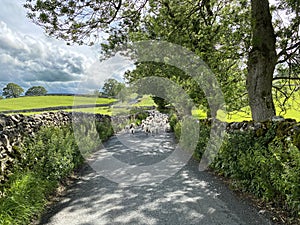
(204, 132)
(138, 115)
(267, 166)
(53, 153)
(160, 102)
(173, 120)
(188, 142)
(42, 162)
(177, 130)
(104, 129)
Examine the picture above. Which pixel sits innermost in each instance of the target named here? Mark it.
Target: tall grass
(42, 162)
(25, 197)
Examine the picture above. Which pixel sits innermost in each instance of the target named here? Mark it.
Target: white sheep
(167, 127)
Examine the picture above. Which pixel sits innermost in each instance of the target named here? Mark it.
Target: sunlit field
(146, 100)
(56, 101)
(49, 101)
(293, 112)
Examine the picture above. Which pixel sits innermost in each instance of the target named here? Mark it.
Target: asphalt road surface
(185, 197)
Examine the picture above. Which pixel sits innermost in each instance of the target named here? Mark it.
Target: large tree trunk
(261, 62)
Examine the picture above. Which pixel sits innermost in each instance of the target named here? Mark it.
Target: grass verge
(41, 164)
(26, 196)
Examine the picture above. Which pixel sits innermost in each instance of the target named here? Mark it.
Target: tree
(81, 21)
(96, 93)
(218, 42)
(112, 87)
(262, 62)
(36, 91)
(124, 94)
(218, 31)
(160, 102)
(201, 26)
(12, 90)
(263, 57)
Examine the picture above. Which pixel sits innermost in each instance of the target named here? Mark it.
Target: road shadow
(187, 197)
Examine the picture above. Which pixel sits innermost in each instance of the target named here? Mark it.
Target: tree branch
(117, 7)
(286, 78)
(294, 47)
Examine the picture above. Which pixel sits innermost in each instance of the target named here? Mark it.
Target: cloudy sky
(29, 58)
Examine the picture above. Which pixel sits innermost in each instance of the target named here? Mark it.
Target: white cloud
(28, 57)
(98, 72)
(25, 59)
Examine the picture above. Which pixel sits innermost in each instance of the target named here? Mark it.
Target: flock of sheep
(155, 123)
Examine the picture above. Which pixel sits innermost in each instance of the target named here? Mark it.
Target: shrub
(53, 153)
(204, 132)
(267, 166)
(138, 114)
(42, 162)
(177, 130)
(173, 120)
(104, 129)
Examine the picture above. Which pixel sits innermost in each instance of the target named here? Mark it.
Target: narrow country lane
(187, 197)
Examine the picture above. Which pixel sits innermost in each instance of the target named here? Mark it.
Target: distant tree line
(111, 88)
(12, 90)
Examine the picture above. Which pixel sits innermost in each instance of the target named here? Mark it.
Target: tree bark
(261, 62)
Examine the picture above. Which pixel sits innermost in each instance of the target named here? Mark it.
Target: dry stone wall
(284, 128)
(13, 128)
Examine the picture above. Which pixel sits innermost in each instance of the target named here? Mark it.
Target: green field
(292, 112)
(53, 101)
(146, 100)
(97, 110)
(27, 103)
(49, 101)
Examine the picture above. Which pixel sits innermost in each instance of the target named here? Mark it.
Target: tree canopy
(112, 87)
(227, 35)
(36, 91)
(12, 90)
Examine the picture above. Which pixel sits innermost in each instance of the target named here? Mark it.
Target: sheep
(127, 128)
(146, 129)
(167, 127)
(132, 128)
(152, 130)
(155, 123)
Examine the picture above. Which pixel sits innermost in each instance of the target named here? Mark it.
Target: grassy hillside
(293, 111)
(146, 100)
(48, 101)
(292, 105)
(53, 101)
